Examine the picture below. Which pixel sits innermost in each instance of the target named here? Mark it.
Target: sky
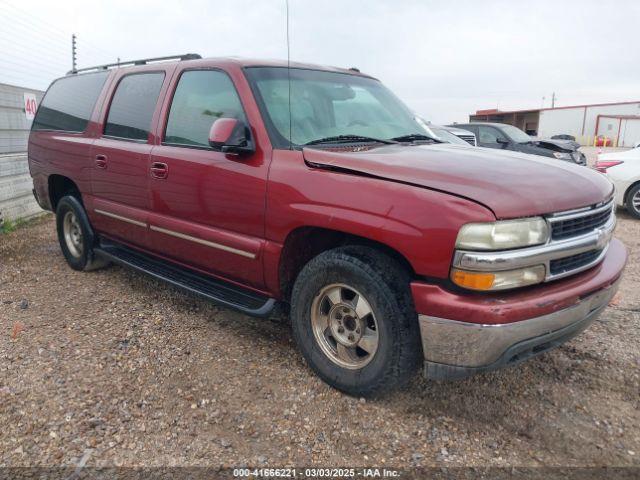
(445, 60)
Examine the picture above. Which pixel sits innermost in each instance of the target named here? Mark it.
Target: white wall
(571, 120)
(566, 120)
(629, 133)
(593, 112)
(14, 126)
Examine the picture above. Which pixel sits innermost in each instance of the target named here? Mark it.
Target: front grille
(573, 262)
(586, 223)
(469, 139)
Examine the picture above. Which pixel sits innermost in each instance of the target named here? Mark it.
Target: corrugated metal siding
(581, 121)
(16, 198)
(14, 126)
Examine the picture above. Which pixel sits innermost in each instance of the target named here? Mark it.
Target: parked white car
(623, 169)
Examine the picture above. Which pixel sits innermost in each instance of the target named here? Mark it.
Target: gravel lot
(127, 371)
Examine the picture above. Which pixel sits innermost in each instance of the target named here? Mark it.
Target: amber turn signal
(473, 280)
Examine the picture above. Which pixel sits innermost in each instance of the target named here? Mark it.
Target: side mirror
(502, 141)
(230, 135)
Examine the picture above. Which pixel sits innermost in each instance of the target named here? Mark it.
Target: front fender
(420, 224)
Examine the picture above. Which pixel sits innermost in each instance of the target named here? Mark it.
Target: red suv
(254, 184)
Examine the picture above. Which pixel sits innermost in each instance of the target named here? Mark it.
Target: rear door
(120, 170)
(207, 206)
(61, 136)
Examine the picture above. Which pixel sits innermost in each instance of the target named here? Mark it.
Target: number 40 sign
(30, 105)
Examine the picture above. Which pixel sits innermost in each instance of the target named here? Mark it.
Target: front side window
(516, 134)
(132, 106)
(326, 104)
(490, 135)
(201, 97)
(68, 103)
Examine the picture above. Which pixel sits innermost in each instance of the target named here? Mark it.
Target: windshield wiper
(348, 139)
(412, 137)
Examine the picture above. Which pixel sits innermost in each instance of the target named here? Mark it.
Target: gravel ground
(123, 370)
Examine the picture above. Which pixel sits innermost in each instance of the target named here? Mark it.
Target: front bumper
(468, 334)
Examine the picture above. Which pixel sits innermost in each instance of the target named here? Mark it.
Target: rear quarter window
(68, 103)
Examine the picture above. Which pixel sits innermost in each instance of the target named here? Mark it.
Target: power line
(31, 53)
(31, 67)
(43, 42)
(30, 19)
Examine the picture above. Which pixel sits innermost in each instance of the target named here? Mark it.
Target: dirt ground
(117, 369)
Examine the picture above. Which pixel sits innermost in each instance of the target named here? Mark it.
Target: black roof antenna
(289, 77)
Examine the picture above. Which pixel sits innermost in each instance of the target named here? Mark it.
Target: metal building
(620, 122)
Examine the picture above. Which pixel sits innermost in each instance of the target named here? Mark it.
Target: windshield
(515, 134)
(327, 104)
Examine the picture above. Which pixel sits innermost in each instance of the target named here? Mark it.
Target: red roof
(495, 111)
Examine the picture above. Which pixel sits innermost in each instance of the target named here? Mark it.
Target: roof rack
(143, 61)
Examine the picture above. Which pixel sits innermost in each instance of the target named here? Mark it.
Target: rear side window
(201, 97)
(133, 105)
(68, 104)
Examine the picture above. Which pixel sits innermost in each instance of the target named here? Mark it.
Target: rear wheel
(75, 235)
(354, 321)
(633, 201)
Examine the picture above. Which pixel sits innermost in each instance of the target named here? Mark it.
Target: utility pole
(553, 100)
(73, 53)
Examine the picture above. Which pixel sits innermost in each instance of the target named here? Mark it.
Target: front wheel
(633, 201)
(354, 321)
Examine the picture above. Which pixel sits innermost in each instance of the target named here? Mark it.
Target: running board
(216, 290)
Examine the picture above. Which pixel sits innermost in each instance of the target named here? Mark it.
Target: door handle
(101, 161)
(159, 170)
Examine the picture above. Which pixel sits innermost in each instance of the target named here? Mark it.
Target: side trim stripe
(203, 242)
(119, 217)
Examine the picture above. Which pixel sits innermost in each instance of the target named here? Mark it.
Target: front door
(207, 207)
(120, 170)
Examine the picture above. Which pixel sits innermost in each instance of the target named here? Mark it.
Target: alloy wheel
(344, 326)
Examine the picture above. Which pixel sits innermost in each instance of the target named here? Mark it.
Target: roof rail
(143, 61)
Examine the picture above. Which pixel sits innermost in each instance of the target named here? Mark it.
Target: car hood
(510, 184)
(557, 145)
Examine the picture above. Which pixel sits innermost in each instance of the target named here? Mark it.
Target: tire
(389, 333)
(633, 201)
(76, 236)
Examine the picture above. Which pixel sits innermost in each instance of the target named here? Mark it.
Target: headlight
(503, 235)
(498, 280)
(562, 156)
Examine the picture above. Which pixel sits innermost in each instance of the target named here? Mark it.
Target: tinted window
(133, 105)
(490, 135)
(327, 104)
(69, 102)
(201, 97)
